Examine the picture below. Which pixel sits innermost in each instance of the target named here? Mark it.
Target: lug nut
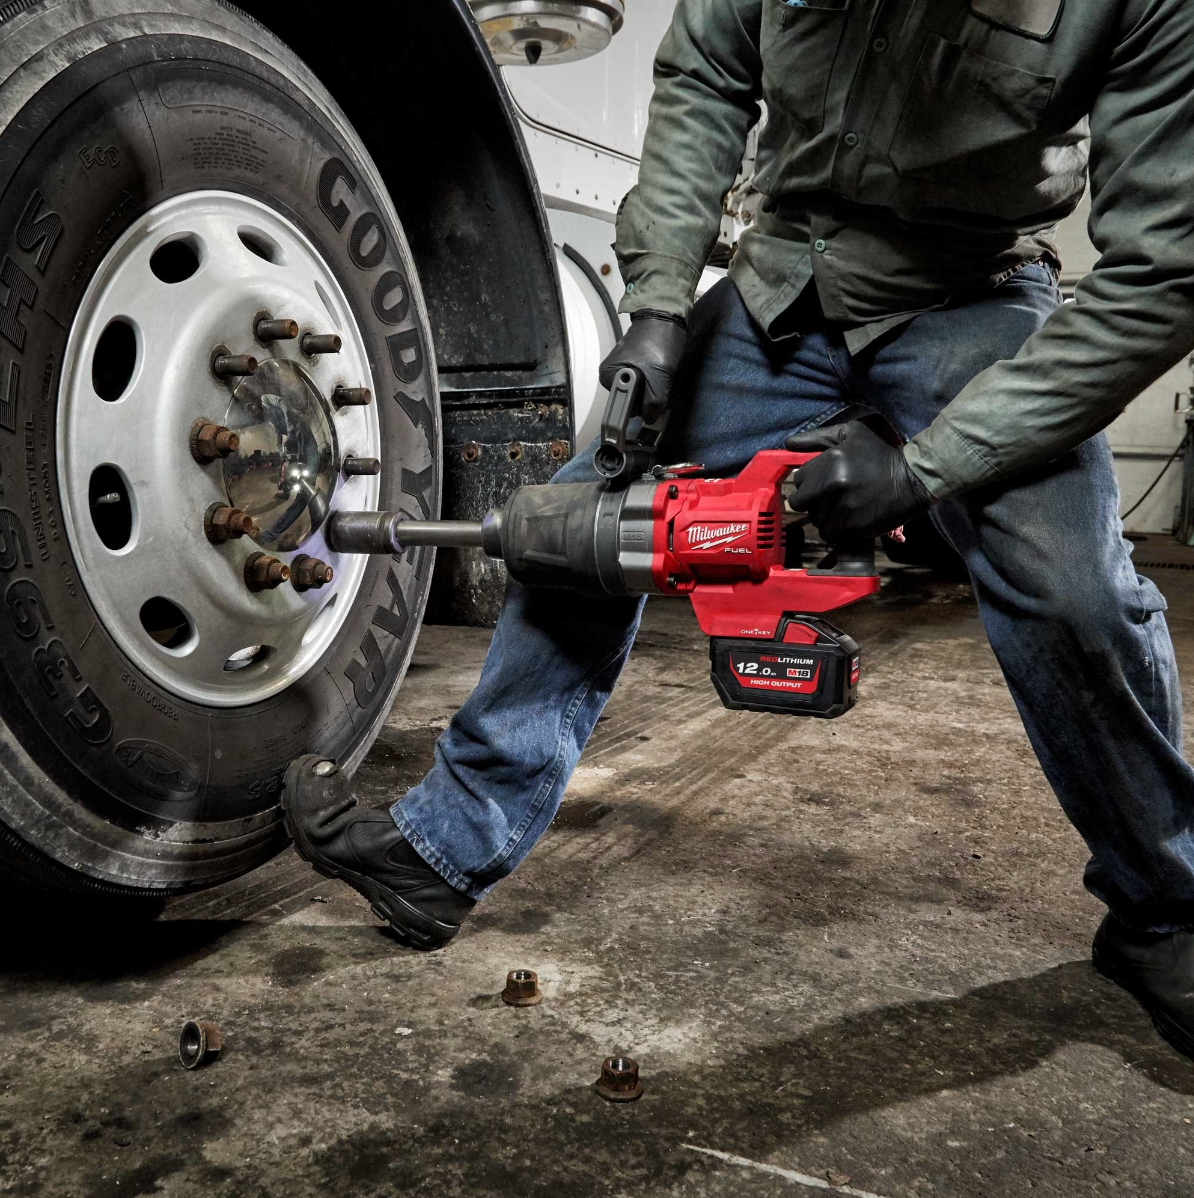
(619, 1080)
(223, 523)
(199, 1043)
(559, 451)
(308, 573)
(276, 330)
(471, 452)
(353, 466)
(352, 397)
(234, 366)
(522, 989)
(264, 573)
(514, 451)
(320, 343)
(210, 441)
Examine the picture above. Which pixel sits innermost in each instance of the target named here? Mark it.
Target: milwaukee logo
(707, 536)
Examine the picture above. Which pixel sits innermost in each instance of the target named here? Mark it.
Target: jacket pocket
(1031, 18)
(799, 43)
(961, 113)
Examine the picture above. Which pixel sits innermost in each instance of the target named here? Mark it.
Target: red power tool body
(722, 544)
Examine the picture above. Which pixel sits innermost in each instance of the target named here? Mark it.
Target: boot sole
(385, 904)
(1167, 1027)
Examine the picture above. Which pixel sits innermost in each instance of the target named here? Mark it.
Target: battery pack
(808, 668)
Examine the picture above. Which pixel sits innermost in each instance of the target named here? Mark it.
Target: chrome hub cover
(284, 471)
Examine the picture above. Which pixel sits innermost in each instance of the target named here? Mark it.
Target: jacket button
(820, 245)
(851, 139)
(879, 45)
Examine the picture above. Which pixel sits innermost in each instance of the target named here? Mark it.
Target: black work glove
(654, 345)
(858, 485)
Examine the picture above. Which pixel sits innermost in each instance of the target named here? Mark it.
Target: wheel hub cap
(284, 471)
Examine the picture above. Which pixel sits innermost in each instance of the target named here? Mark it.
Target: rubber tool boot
(1158, 970)
(365, 849)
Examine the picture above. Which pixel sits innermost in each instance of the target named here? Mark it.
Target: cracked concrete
(850, 954)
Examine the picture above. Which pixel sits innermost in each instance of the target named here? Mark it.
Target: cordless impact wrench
(650, 530)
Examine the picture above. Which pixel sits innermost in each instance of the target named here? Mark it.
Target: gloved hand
(653, 344)
(859, 484)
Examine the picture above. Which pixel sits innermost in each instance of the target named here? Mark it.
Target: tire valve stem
(320, 343)
(352, 397)
(276, 330)
(309, 573)
(210, 441)
(354, 466)
(111, 497)
(264, 573)
(223, 523)
(233, 366)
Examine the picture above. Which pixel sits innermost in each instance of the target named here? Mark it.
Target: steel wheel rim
(251, 262)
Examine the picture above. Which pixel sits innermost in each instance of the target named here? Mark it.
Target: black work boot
(365, 849)
(1157, 969)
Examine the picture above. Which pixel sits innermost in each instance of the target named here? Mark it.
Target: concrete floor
(850, 952)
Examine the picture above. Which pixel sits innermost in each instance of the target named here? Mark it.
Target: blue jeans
(1079, 635)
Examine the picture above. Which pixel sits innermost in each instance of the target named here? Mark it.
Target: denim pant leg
(1078, 634)
(503, 764)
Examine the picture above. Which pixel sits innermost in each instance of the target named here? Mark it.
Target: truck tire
(170, 175)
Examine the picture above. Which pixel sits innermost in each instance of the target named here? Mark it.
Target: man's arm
(1134, 315)
(707, 86)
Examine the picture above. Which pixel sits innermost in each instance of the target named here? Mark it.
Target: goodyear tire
(109, 781)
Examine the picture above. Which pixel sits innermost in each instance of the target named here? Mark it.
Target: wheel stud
(354, 466)
(276, 330)
(223, 523)
(210, 441)
(310, 573)
(233, 366)
(352, 397)
(320, 343)
(264, 573)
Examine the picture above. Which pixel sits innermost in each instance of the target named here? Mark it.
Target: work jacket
(918, 149)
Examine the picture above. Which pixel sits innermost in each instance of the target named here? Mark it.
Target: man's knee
(1094, 603)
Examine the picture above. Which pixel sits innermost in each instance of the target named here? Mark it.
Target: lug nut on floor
(199, 1043)
(223, 523)
(307, 573)
(522, 989)
(619, 1080)
(264, 573)
(210, 441)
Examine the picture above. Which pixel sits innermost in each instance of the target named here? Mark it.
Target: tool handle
(621, 458)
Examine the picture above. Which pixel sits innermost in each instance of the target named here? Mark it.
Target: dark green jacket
(916, 149)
